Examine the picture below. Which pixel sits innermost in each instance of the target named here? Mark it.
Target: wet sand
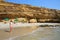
(20, 31)
(42, 33)
(36, 33)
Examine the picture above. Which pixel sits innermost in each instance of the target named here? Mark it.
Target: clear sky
(54, 4)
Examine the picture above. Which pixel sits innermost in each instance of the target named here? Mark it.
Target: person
(10, 25)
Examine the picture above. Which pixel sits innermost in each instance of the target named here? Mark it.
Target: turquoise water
(42, 33)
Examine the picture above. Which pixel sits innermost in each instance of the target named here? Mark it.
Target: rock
(12, 10)
(33, 21)
(23, 20)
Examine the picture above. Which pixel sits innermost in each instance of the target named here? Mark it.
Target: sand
(20, 31)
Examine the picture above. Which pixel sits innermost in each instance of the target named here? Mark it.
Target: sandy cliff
(12, 10)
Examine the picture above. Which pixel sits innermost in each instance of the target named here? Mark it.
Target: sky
(53, 4)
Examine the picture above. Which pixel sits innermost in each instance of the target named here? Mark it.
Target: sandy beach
(20, 31)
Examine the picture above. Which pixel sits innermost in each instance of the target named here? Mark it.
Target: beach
(42, 33)
(18, 31)
(31, 33)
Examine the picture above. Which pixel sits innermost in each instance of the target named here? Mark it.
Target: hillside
(12, 10)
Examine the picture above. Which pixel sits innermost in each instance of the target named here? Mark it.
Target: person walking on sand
(10, 25)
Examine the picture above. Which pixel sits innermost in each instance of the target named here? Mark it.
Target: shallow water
(42, 33)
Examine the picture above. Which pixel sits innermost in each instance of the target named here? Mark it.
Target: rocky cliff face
(12, 10)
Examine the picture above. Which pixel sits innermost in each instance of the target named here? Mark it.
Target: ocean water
(42, 33)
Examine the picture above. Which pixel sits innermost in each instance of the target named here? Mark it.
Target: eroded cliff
(12, 10)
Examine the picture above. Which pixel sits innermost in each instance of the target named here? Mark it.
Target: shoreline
(3, 26)
(16, 31)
